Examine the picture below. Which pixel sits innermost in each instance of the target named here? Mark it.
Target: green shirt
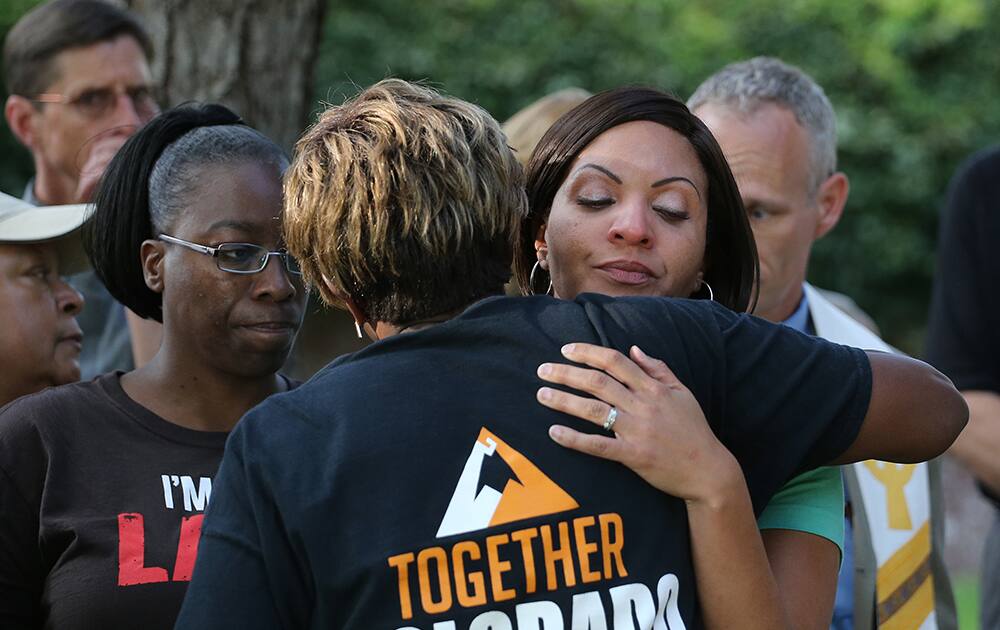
(813, 503)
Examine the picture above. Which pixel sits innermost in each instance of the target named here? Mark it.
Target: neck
(50, 189)
(10, 392)
(386, 329)
(784, 307)
(196, 396)
(18, 385)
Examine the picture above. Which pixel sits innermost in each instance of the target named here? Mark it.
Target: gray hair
(747, 85)
(176, 171)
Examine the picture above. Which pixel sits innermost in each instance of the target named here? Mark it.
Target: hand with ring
(660, 431)
(609, 423)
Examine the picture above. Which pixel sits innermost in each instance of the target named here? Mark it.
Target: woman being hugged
(103, 484)
(630, 194)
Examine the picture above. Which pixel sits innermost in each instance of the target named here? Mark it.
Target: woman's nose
(631, 225)
(274, 281)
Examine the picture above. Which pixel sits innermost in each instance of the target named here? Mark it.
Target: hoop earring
(367, 328)
(711, 295)
(531, 279)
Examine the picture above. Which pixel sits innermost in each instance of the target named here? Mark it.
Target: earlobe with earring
(361, 322)
(711, 294)
(368, 329)
(531, 279)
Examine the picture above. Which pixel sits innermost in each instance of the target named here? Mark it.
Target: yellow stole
(896, 501)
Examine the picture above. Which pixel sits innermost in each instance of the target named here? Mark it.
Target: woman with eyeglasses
(103, 484)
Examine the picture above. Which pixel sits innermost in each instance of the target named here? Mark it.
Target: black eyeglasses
(97, 103)
(238, 257)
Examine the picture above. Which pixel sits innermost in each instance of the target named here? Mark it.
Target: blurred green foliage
(915, 83)
(916, 86)
(967, 601)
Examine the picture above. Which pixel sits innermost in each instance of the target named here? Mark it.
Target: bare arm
(736, 585)
(663, 436)
(805, 567)
(914, 415)
(978, 447)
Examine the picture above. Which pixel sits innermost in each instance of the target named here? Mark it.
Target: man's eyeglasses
(238, 257)
(99, 102)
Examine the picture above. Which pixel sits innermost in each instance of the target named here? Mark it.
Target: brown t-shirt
(101, 503)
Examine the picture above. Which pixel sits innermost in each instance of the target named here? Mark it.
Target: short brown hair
(55, 26)
(406, 201)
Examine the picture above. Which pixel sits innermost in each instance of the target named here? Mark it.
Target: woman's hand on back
(661, 434)
(660, 430)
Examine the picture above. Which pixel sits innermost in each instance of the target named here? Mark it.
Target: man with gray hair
(778, 132)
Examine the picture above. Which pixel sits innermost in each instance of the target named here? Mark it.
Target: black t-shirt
(102, 503)
(963, 336)
(413, 484)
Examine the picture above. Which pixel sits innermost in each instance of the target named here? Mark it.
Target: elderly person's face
(630, 218)
(101, 96)
(39, 339)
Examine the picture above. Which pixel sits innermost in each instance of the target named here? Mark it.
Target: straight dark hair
(53, 27)
(730, 265)
(121, 221)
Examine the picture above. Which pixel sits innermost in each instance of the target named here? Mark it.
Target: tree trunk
(254, 56)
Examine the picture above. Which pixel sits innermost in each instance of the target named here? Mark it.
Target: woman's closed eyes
(668, 213)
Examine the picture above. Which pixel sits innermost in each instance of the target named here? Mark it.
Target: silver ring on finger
(609, 422)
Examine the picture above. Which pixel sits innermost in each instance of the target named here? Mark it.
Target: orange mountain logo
(499, 485)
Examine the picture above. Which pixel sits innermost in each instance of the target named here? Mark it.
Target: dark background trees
(256, 57)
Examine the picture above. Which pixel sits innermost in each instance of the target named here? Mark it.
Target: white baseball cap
(23, 223)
